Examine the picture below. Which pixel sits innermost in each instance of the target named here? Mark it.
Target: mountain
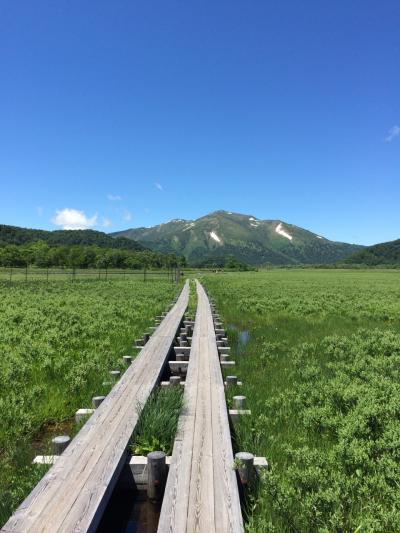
(385, 253)
(82, 237)
(245, 237)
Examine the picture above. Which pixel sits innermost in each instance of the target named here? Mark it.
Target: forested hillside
(386, 253)
(84, 237)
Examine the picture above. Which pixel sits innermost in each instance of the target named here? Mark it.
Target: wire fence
(12, 274)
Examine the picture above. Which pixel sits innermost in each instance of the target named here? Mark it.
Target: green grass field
(318, 352)
(319, 356)
(58, 342)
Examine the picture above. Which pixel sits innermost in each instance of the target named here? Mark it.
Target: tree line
(40, 254)
(79, 237)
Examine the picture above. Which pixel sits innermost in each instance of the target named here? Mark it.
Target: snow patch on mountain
(189, 226)
(282, 232)
(214, 236)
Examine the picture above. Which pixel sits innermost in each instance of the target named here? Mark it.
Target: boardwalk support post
(231, 381)
(245, 467)
(60, 443)
(156, 475)
(83, 414)
(96, 401)
(239, 402)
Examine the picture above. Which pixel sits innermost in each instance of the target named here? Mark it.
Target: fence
(50, 274)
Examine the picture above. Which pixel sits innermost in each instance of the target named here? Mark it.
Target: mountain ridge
(245, 237)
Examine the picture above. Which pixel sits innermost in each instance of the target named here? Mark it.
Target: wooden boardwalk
(201, 494)
(72, 495)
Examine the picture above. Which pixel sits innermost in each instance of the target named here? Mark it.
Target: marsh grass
(192, 305)
(299, 382)
(158, 421)
(58, 341)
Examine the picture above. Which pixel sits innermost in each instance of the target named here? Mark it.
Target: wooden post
(156, 475)
(96, 401)
(245, 467)
(231, 381)
(239, 402)
(127, 359)
(60, 443)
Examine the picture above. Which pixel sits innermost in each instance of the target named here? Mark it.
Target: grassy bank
(320, 365)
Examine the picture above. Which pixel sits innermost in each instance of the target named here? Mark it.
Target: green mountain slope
(386, 253)
(248, 239)
(86, 237)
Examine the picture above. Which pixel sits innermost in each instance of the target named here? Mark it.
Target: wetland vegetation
(320, 369)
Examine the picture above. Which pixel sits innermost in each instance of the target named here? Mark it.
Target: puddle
(129, 511)
(144, 518)
(243, 337)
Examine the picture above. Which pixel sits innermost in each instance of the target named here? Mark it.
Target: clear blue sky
(136, 112)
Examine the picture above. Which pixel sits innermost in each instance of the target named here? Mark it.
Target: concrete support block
(82, 414)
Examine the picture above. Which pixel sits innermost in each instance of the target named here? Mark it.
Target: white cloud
(114, 197)
(106, 222)
(73, 219)
(393, 133)
(159, 186)
(126, 215)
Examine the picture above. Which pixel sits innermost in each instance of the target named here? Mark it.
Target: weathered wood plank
(201, 493)
(72, 495)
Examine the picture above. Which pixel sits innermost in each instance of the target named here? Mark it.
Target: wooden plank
(73, 494)
(201, 493)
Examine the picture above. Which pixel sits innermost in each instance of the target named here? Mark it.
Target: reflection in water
(144, 517)
(243, 337)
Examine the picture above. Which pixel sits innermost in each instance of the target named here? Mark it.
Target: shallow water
(130, 512)
(243, 338)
